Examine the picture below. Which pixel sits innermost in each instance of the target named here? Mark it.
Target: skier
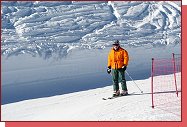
(117, 63)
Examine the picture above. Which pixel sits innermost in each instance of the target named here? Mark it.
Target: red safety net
(166, 82)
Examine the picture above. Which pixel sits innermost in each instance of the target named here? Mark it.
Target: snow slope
(51, 51)
(58, 32)
(89, 106)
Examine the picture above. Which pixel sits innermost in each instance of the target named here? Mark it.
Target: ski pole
(134, 82)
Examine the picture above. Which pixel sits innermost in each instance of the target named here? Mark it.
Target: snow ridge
(50, 27)
(114, 10)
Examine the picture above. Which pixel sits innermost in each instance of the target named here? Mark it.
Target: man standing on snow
(117, 63)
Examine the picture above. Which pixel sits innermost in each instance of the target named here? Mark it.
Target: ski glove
(124, 67)
(109, 70)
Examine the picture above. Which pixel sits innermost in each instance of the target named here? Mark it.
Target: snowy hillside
(54, 58)
(44, 28)
(89, 106)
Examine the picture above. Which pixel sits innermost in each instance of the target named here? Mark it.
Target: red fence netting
(166, 81)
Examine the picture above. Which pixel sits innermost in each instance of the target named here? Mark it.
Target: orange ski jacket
(117, 59)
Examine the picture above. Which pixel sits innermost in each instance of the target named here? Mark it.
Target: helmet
(116, 42)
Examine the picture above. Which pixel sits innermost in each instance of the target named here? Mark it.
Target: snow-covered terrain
(51, 51)
(44, 28)
(89, 106)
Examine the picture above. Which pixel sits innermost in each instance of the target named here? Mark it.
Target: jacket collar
(117, 49)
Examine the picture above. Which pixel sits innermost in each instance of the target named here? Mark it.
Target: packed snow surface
(89, 106)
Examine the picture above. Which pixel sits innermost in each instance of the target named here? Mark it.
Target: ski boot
(124, 93)
(116, 93)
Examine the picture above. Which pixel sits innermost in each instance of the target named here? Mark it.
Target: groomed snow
(89, 106)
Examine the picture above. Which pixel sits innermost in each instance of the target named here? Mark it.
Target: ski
(109, 98)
